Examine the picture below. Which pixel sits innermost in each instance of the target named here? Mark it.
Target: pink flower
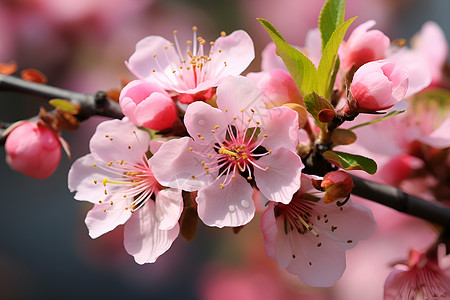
(232, 146)
(378, 85)
(194, 70)
(424, 277)
(308, 237)
(147, 104)
(117, 178)
(364, 46)
(33, 150)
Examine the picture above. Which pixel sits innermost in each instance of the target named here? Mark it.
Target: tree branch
(401, 201)
(97, 104)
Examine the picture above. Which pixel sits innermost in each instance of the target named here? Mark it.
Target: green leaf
(349, 161)
(328, 59)
(388, 116)
(315, 104)
(301, 67)
(65, 105)
(331, 17)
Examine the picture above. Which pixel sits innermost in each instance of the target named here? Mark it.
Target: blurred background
(81, 45)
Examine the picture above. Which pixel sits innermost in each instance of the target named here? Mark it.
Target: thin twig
(97, 104)
(401, 201)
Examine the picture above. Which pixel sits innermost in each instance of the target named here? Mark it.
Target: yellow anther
(175, 32)
(107, 136)
(106, 193)
(154, 70)
(220, 50)
(188, 42)
(216, 127)
(100, 201)
(124, 196)
(165, 48)
(267, 168)
(210, 156)
(270, 151)
(232, 176)
(129, 147)
(154, 55)
(193, 177)
(173, 71)
(203, 163)
(104, 210)
(249, 120)
(252, 110)
(249, 178)
(194, 28)
(225, 63)
(221, 186)
(211, 43)
(213, 131)
(95, 181)
(242, 110)
(190, 148)
(257, 123)
(112, 203)
(223, 33)
(95, 165)
(234, 118)
(265, 135)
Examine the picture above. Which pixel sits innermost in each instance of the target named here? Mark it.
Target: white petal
(282, 179)
(142, 237)
(169, 205)
(231, 206)
(105, 217)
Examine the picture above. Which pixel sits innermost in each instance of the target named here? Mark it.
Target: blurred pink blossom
(425, 276)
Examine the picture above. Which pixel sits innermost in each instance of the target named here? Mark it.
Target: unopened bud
(146, 104)
(33, 150)
(379, 85)
(337, 185)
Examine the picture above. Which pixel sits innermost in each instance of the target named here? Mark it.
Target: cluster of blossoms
(197, 133)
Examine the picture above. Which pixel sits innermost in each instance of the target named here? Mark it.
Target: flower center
(132, 181)
(237, 151)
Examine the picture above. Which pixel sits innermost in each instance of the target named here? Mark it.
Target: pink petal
(118, 140)
(269, 229)
(418, 70)
(327, 261)
(236, 53)
(237, 96)
(270, 59)
(82, 177)
(281, 127)
(231, 206)
(439, 138)
(201, 118)
(100, 221)
(169, 205)
(174, 165)
(353, 223)
(142, 63)
(282, 179)
(156, 112)
(142, 237)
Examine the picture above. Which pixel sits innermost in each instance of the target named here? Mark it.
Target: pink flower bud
(378, 85)
(337, 184)
(33, 150)
(147, 104)
(364, 46)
